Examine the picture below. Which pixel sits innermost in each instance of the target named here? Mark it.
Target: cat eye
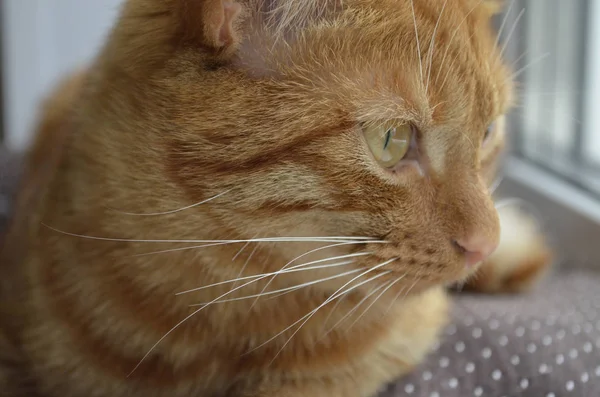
(389, 142)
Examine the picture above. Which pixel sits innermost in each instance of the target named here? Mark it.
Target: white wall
(42, 41)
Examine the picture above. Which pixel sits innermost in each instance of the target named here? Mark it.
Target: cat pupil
(388, 137)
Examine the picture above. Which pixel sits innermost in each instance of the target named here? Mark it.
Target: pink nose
(476, 248)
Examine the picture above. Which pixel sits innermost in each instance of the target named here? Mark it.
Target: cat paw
(521, 260)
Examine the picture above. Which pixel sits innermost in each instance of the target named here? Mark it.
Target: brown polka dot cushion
(545, 344)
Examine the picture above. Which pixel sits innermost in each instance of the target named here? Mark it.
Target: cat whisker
(452, 39)
(400, 294)
(283, 291)
(503, 24)
(393, 302)
(451, 65)
(322, 305)
(187, 318)
(305, 254)
(176, 250)
(337, 303)
(246, 263)
(325, 239)
(332, 246)
(412, 4)
(432, 47)
(192, 315)
(528, 65)
(183, 321)
(351, 311)
(172, 211)
(389, 286)
(412, 286)
(512, 31)
(332, 297)
(296, 268)
(240, 251)
(518, 59)
(193, 247)
(337, 294)
(496, 184)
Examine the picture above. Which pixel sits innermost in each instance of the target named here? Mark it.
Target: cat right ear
(211, 23)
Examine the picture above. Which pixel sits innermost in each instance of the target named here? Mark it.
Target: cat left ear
(211, 23)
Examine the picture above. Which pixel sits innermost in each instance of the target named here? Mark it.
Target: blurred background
(553, 45)
(554, 157)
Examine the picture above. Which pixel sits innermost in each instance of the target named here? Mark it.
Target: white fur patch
(520, 239)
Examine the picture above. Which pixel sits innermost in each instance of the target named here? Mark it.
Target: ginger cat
(340, 155)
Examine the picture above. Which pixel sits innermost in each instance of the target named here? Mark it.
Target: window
(554, 46)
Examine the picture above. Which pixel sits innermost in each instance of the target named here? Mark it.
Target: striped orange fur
(257, 104)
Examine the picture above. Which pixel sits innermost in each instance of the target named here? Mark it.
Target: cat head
(372, 118)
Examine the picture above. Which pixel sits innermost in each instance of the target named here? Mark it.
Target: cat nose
(476, 248)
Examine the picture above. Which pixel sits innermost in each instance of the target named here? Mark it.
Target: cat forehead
(387, 58)
(435, 55)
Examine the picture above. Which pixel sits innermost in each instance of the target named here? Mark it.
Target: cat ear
(218, 23)
(211, 23)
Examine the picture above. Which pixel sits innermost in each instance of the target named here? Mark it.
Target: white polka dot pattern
(546, 344)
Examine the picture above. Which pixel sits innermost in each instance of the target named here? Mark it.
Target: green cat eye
(389, 142)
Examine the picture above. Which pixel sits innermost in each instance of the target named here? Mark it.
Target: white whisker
(240, 251)
(326, 239)
(183, 321)
(318, 261)
(177, 249)
(337, 303)
(172, 211)
(452, 39)
(503, 24)
(528, 65)
(496, 184)
(190, 316)
(291, 289)
(431, 46)
(519, 58)
(412, 4)
(323, 304)
(389, 285)
(332, 246)
(393, 302)
(310, 252)
(351, 311)
(400, 293)
(412, 286)
(246, 262)
(512, 30)
(332, 297)
(307, 316)
(450, 68)
(293, 269)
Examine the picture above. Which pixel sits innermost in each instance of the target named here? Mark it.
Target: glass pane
(555, 48)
